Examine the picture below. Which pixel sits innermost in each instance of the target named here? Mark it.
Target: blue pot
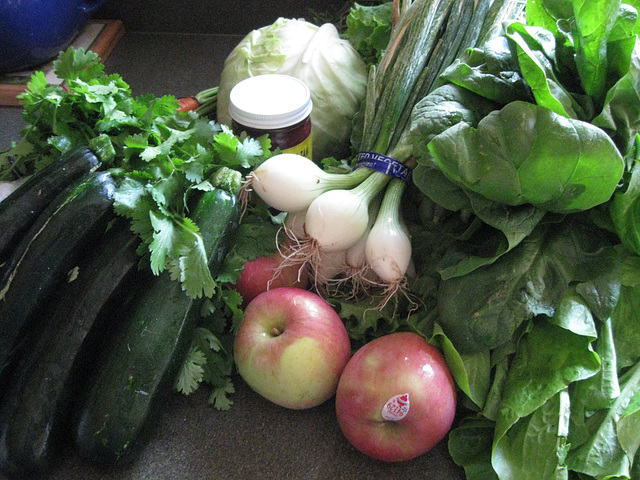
(33, 32)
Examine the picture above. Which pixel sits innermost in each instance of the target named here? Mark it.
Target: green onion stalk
(427, 36)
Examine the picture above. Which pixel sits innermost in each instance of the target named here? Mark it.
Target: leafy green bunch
(163, 158)
(368, 28)
(527, 160)
(63, 117)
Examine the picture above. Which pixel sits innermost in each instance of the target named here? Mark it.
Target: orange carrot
(187, 104)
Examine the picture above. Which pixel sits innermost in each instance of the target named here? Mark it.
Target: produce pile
(507, 235)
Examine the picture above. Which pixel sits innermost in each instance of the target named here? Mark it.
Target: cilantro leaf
(219, 397)
(128, 196)
(194, 274)
(194, 171)
(191, 371)
(37, 85)
(141, 221)
(74, 64)
(209, 361)
(233, 303)
(164, 240)
(210, 340)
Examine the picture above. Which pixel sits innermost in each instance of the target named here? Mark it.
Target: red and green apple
(396, 398)
(266, 273)
(292, 347)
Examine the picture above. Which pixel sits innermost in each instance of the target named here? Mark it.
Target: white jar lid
(269, 101)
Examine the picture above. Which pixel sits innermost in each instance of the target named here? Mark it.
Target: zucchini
(34, 419)
(50, 251)
(20, 209)
(133, 384)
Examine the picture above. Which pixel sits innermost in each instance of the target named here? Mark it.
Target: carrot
(187, 104)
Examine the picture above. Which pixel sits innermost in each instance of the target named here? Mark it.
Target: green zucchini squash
(35, 416)
(52, 248)
(135, 380)
(20, 209)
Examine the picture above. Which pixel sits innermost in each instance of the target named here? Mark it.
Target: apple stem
(275, 331)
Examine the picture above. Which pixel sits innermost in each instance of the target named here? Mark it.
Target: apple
(396, 398)
(262, 274)
(291, 347)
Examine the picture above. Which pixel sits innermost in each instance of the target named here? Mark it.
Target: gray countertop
(254, 439)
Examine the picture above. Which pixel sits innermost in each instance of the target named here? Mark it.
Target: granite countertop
(254, 439)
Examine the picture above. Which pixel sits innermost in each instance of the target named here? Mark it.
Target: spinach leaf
(594, 21)
(530, 383)
(470, 446)
(535, 447)
(442, 108)
(472, 372)
(625, 212)
(434, 185)
(490, 71)
(525, 153)
(548, 13)
(574, 315)
(626, 316)
(535, 51)
(628, 427)
(483, 308)
(513, 224)
(620, 114)
(600, 390)
(602, 455)
(617, 92)
(626, 327)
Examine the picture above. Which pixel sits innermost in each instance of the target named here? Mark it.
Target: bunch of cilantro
(162, 158)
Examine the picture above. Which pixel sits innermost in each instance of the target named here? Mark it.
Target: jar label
(305, 148)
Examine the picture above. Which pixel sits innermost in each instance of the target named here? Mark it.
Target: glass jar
(277, 105)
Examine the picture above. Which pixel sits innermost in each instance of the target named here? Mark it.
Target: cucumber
(133, 384)
(50, 251)
(34, 418)
(20, 209)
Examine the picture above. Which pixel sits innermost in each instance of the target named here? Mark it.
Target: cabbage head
(329, 65)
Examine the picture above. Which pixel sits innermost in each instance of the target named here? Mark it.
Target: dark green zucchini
(35, 416)
(19, 210)
(134, 382)
(52, 249)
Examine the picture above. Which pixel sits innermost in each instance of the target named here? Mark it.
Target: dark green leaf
(620, 114)
(470, 446)
(483, 309)
(490, 71)
(601, 455)
(531, 383)
(594, 20)
(625, 212)
(442, 108)
(536, 445)
(528, 154)
(471, 372)
(535, 51)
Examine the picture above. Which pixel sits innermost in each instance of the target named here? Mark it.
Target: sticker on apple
(396, 408)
